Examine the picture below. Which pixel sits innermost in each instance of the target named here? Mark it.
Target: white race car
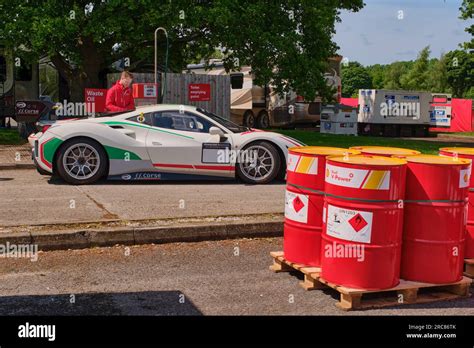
(160, 142)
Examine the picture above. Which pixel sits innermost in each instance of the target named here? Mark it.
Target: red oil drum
(465, 152)
(435, 219)
(385, 151)
(304, 202)
(363, 220)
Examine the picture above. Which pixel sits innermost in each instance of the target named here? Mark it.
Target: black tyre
(264, 166)
(81, 161)
(263, 120)
(249, 119)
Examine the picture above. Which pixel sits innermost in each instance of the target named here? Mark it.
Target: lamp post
(156, 59)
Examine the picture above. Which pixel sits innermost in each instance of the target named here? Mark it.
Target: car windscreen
(226, 123)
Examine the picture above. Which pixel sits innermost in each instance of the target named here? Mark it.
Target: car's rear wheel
(81, 161)
(260, 164)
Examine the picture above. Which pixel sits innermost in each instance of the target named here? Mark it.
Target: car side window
(142, 118)
(186, 121)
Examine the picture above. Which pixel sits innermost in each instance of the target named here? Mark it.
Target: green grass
(10, 137)
(345, 141)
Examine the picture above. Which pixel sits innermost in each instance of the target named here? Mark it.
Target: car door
(179, 142)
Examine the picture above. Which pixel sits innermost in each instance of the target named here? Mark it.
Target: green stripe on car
(120, 154)
(50, 147)
(117, 123)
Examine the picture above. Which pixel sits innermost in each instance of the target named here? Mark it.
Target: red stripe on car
(189, 166)
(172, 165)
(42, 159)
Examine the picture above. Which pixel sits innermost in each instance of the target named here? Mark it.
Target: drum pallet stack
(410, 243)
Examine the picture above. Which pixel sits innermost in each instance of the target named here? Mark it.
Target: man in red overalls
(119, 96)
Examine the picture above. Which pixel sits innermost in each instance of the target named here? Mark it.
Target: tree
(354, 77)
(394, 75)
(460, 73)
(418, 76)
(438, 75)
(377, 74)
(467, 12)
(286, 43)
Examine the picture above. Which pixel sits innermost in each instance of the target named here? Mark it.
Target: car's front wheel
(260, 163)
(81, 161)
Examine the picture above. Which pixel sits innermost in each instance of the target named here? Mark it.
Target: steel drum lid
(469, 151)
(369, 160)
(322, 151)
(441, 160)
(386, 150)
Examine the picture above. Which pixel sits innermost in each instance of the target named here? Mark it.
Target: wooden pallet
(407, 292)
(469, 268)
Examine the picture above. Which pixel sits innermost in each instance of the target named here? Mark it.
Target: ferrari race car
(159, 142)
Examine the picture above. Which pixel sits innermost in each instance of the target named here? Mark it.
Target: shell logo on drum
(358, 178)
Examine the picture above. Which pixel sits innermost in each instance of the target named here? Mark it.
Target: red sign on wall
(96, 97)
(199, 92)
(145, 90)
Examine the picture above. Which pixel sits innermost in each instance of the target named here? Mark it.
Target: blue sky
(376, 35)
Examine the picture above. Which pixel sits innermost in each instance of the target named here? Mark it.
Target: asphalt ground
(228, 277)
(27, 198)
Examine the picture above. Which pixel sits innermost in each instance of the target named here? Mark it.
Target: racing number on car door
(181, 143)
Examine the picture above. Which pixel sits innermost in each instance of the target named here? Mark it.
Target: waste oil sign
(95, 97)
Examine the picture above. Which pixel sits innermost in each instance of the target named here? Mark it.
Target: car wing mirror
(216, 131)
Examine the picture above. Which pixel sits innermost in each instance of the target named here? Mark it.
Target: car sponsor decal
(358, 178)
(120, 154)
(162, 176)
(215, 153)
(349, 224)
(48, 149)
(296, 207)
(117, 123)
